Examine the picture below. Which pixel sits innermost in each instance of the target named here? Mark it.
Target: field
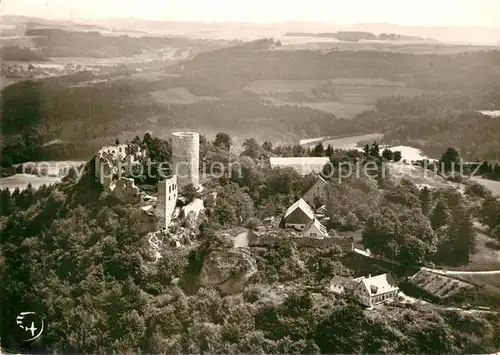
(485, 258)
(328, 44)
(179, 96)
(352, 96)
(418, 175)
(351, 142)
(339, 109)
(493, 186)
(21, 181)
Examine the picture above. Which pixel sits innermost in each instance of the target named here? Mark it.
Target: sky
(484, 13)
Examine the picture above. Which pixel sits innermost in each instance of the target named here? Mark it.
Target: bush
(253, 223)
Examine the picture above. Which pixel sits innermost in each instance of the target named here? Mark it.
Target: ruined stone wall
(256, 240)
(125, 190)
(186, 157)
(166, 200)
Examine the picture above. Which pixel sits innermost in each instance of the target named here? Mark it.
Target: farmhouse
(317, 192)
(298, 215)
(314, 229)
(369, 291)
(303, 165)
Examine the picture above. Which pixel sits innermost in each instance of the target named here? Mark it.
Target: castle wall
(117, 160)
(186, 157)
(166, 201)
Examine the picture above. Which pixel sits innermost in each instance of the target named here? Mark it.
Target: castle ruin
(186, 157)
(166, 201)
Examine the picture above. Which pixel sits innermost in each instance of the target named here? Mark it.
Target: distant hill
(479, 35)
(245, 30)
(358, 35)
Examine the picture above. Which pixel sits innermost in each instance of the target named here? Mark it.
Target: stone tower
(166, 200)
(186, 158)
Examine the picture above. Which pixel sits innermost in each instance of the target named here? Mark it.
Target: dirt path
(449, 272)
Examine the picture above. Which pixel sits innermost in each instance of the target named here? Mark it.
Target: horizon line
(76, 20)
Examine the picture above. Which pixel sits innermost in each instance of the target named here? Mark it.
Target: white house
(303, 165)
(370, 291)
(314, 229)
(298, 215)
(319, 189)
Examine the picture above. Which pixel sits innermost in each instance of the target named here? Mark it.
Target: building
(186, 158)
(303, 165)
(318, 190)
(343, 285)
(298, 215)
(116, 161)
(369, 291)
(166, 201)
(314, 229)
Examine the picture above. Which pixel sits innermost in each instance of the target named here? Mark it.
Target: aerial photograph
(249, 177)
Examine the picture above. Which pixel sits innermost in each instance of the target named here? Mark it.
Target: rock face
(227, 270)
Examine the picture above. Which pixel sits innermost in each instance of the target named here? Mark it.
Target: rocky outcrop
(227, 269)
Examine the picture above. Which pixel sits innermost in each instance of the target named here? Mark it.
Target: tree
(267, 146)
(366, 149)
(425, 200)
(351, 222)
(225, 214)
(136, 140)
(374, 150)
(319, 150)
(223, 140)
(440, 215)
(328, 150)
(489, 213)
(397, 156)
(189, 192)
(450, 159)
(251, 148)
(387, 154)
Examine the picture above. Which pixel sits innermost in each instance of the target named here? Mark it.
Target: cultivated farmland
(345, 97)
(179, 96)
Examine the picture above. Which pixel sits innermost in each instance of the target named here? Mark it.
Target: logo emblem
(31, 324)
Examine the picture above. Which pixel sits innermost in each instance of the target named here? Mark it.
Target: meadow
(411, 47)
(179, 95)
(492, 185)
(352, 96)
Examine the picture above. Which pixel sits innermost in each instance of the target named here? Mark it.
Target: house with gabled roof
(369, 291)
(317, 191)
(314, 229)
(298, 215)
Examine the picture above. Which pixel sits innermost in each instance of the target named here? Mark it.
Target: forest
(55, 42)
(79, 257)
(235, 67)
(23, 54)
(433, 122)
